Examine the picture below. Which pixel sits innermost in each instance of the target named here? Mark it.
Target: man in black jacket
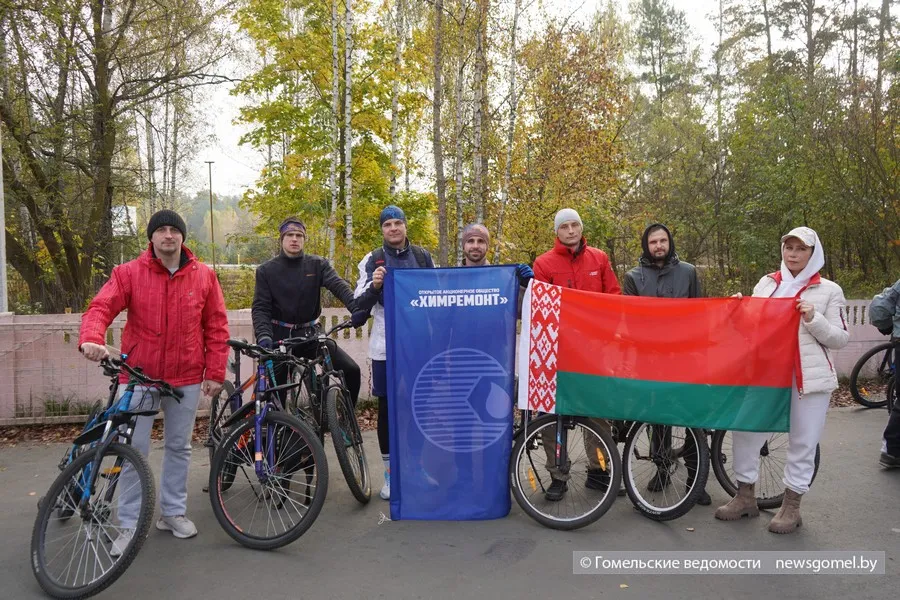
(287, 300)
(661, 275)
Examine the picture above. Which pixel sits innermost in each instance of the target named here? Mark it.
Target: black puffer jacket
(674, 279)
(290, 290)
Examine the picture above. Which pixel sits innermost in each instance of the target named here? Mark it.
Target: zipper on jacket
(825, 352)
(798, 366)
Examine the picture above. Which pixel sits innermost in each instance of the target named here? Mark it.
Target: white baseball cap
(804, 234)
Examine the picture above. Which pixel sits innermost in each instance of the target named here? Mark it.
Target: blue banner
(450, 351)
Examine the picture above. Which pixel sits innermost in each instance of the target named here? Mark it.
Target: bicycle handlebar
(258, 352)
(117, 364)
(299, 341)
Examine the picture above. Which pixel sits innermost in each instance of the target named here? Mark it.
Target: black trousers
(892, 431)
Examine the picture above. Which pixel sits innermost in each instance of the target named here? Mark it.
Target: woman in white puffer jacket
(822, 329)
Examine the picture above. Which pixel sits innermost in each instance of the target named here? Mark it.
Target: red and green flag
(718, 363)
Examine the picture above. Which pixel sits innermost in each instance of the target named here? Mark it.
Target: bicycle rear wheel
(871, 375)
(772, 458)
(586, 499)
(71, 555)
(348, 443)
(271, 511)
(219, 412)
(665, 469)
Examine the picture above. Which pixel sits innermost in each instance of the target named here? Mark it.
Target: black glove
(359, 318)
(265, 343)
(524, 273)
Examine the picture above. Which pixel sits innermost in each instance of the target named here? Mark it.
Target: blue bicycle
(74, 553)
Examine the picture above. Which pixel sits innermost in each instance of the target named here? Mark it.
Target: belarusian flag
(719, 363)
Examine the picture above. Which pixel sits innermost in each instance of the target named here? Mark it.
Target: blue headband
(392, 212)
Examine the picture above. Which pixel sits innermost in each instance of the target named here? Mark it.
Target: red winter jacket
(587, 269)
(177, 328)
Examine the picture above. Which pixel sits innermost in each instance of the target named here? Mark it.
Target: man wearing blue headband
(287, 300)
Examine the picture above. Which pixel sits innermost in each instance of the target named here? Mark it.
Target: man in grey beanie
(573, 264)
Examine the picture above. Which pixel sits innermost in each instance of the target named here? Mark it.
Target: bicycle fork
(562, 453)
(261, 410)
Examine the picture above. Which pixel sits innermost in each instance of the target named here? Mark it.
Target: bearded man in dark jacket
(661, 274)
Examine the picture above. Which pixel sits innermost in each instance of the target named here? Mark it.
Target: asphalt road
(352, 552)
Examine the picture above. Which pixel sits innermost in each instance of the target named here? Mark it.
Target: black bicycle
(268, 476)
(873, 374)
(665, 467)
(79, 544)
(320, 396)
(315, 392)
(573, 448)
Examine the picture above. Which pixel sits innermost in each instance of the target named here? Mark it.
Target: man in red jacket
(177, 330)
(574, 264)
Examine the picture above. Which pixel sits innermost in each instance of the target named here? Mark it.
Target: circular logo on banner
(458, 403)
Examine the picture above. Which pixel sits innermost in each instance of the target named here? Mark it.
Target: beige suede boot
(742, 505)
(788, 518)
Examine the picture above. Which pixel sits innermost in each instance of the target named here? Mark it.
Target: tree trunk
(768, 22)
(335, 132)
(173, 169)
(510, 134)
(151, 158)
(348, 135)
(480, 80)
(720, 150)
(400, 32)
(883, 25)
(457, 139)
(436, 131)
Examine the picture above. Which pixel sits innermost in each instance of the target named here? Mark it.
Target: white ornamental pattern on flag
(544, 333)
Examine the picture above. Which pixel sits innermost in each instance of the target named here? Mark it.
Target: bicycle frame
(105, 427)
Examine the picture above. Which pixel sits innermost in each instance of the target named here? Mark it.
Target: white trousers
(807, 422)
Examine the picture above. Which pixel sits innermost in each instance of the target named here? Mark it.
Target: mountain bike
(592, 482)
(323, 401)
(316, 393)
(665, 468)
(268, 477)
(872, 375)
(72, 543)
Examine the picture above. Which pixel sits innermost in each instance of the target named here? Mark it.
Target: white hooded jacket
(828, 329)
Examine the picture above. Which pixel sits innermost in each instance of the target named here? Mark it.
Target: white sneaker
(386, 488)
(180, 526)
(121, 542)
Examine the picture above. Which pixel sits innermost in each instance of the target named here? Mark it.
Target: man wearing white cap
(573, 264)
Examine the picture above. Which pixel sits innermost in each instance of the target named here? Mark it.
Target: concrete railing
(47, 380)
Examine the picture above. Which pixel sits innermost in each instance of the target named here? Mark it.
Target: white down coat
(826, 332)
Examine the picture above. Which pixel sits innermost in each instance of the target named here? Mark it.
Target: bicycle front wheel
(872, 374)
(665, 469)
(272, 508)
(72, 555)
(348, 443)
(593, 474)
(772, 458)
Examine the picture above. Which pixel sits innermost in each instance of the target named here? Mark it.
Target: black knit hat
(166, 217)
